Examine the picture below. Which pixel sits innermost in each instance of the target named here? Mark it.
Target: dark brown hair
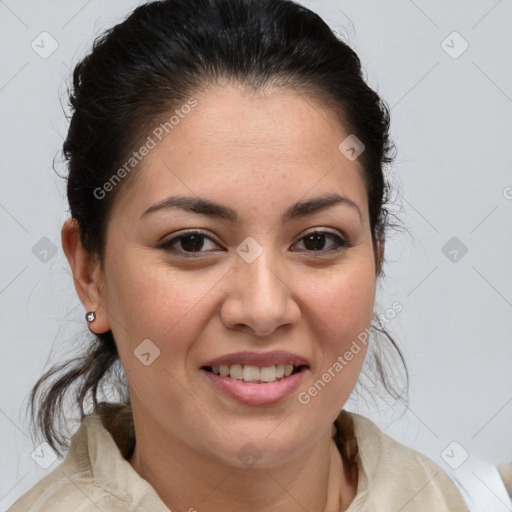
(142, 69)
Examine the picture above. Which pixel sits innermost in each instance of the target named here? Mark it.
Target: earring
(90, 316)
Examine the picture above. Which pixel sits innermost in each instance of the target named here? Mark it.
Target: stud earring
(90, 316)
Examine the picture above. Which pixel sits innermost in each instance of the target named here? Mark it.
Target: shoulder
(93, 476)
(60, 492)
(72, 484)
(395, 477)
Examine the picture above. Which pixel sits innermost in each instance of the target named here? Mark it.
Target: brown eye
(192, 243)
(187, 243)
(317, 241)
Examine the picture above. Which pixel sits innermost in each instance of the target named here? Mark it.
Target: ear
(87, 275)
(379, 255)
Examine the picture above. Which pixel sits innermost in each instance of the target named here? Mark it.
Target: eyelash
(167, 245)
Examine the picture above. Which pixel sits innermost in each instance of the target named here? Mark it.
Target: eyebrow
(207, 207)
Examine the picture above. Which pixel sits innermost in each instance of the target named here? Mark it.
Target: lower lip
(251, 393)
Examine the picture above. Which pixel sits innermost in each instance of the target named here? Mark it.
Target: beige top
(506, 475)
(96, 476)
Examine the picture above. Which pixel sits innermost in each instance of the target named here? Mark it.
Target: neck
(186, 479)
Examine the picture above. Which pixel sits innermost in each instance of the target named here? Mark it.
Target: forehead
(272, 125)
(235, 144)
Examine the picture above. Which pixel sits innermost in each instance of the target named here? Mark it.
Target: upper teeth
(249, 373)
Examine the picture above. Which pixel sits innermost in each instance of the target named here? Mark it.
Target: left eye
(315, 241)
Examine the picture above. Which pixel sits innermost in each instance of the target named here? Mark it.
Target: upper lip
(259, 359)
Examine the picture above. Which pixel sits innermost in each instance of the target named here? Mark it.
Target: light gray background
(451, 119)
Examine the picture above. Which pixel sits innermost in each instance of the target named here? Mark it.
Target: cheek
(149, 301)
(341, 307)
(343, 299)
(168, 308)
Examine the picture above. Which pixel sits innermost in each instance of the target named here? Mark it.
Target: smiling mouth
(255, 374)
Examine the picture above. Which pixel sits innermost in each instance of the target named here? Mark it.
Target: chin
(260, 447)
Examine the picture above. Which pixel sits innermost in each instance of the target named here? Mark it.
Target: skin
(258, 154)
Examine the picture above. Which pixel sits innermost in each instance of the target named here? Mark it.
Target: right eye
(188, 243)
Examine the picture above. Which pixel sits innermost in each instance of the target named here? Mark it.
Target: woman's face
(255, 289)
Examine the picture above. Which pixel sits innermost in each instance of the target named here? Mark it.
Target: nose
(260, 299)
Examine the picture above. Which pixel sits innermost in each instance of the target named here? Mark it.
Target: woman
(228, 218)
